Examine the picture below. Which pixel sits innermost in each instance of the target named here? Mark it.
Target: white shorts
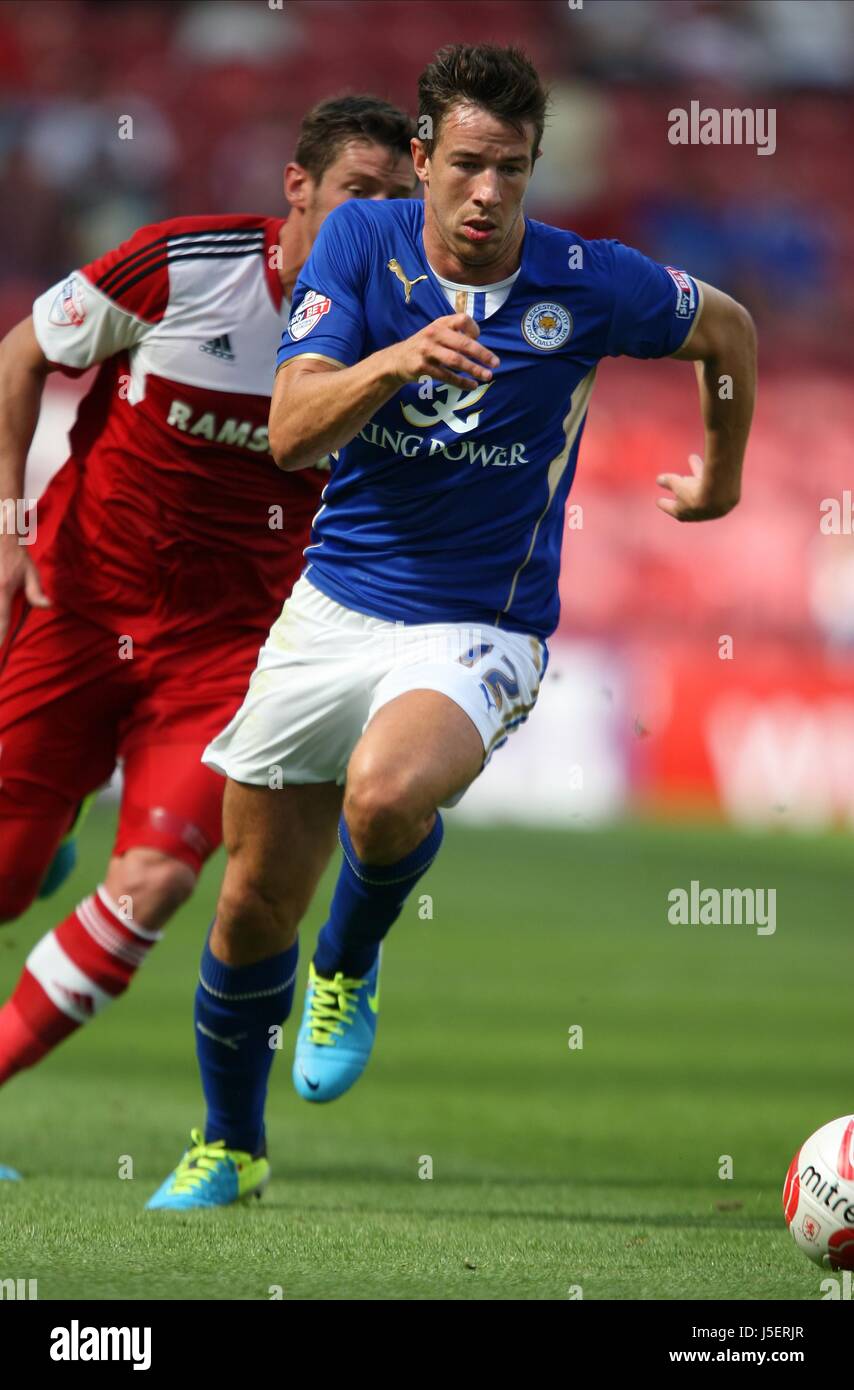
(325, 670)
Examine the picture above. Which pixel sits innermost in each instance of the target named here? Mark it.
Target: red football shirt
(170, 517)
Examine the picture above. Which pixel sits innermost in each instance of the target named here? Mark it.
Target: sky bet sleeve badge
(310, 312)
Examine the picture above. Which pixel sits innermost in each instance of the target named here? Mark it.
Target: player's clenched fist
(446, 350)
(692, 499)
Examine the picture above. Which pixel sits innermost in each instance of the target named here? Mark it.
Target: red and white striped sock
(69, 977)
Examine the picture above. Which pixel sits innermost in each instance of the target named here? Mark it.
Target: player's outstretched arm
(23, 370)
(310, 416)
(723, 346)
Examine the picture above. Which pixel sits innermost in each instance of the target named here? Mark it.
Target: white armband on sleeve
(76, 325)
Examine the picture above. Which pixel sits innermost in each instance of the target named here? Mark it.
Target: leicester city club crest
(547, 326)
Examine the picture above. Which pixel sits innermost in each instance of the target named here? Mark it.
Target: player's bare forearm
(726, 375)
(312, 415)
(723, 348)
(23, 369)
(317, 407)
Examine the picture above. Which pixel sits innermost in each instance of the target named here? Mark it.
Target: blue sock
(236, 1006)
(367, 901)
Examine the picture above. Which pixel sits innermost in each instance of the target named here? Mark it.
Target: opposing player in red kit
(161, 553)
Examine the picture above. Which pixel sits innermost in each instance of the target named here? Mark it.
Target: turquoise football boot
(9, 1174)
(339, 1025)
(63, 862)
(210, 1175)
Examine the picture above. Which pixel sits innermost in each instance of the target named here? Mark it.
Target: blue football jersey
(448, 506)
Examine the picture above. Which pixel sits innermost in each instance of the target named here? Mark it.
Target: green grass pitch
(553, 1168)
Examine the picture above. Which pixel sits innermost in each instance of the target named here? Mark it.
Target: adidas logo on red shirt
(219, 347)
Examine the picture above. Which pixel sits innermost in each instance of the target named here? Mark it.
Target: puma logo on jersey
(396, 269)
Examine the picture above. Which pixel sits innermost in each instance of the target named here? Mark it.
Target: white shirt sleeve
(76, 325)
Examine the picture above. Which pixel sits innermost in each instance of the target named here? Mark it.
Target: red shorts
(74, 702)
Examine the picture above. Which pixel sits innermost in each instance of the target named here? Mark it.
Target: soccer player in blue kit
(444, 353)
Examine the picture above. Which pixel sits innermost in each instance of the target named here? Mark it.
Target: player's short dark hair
(331, 124)
(503, 81)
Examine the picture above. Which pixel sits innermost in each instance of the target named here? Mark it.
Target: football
(818, 1195)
